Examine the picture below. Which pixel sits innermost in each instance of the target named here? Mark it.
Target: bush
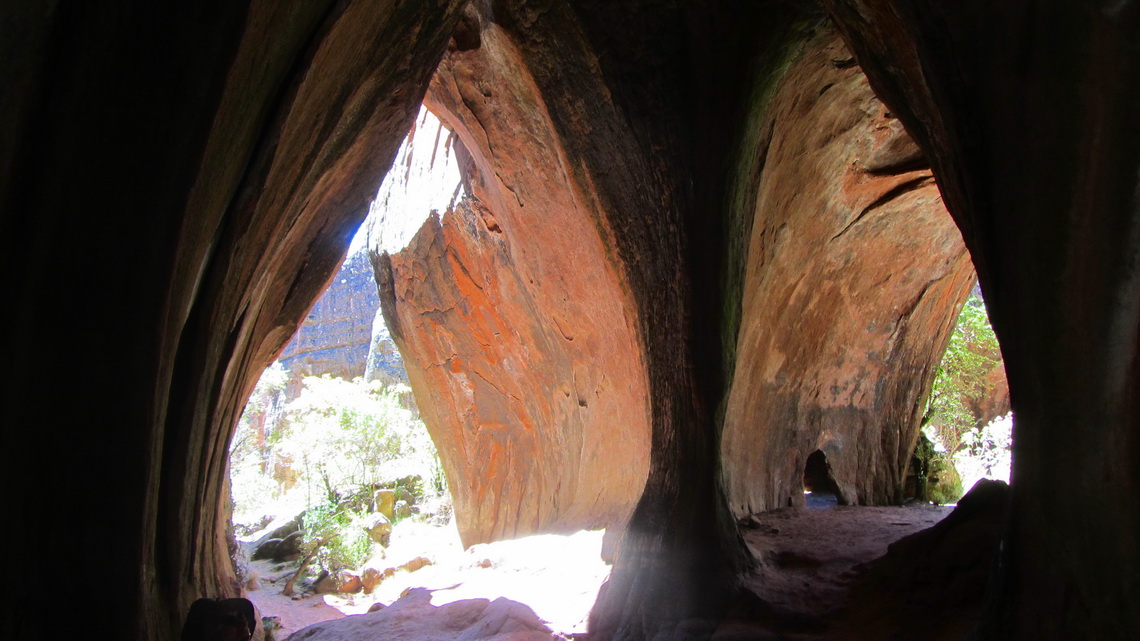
(336, 536)
(945, 484)
(337, 439)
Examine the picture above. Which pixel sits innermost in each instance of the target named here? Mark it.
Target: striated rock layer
(539, 415)
(1028, 113)
(515, 321)
(336, 336)
(855, 275)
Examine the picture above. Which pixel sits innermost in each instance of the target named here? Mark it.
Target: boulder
(369, 579)
(266, 550)
(379, 528)
(348, 582)
(932, 584)
(415, 564)
(386, 503)
(221, 620)
(403, 510)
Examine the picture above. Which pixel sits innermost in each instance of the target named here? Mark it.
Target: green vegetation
(324, 454)
(961, 448)
(334, 439)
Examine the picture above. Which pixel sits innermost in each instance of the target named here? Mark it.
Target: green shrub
(945, 485)
(337, 537)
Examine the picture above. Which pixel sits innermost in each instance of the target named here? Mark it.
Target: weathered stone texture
(200, 166)
(336, 336)
(855, 274)
(515, 321)
(538, 432)
(1028, 113)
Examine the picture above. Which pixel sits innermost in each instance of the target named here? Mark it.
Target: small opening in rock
(818, 482)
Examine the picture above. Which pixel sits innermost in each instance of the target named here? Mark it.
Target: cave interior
(743, 230)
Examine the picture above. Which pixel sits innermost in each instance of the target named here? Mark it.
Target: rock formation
(200, 167)
(384, 361)
(221, 154)
(537, 430)
(851, 239)
(337, 336)
(524, 343)
(1036, 146)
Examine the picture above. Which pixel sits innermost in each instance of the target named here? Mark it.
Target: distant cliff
(336, 336)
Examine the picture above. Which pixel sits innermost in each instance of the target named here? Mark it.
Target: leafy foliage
(971, 355)
(335, 438)
(335, 536)
(961, 448)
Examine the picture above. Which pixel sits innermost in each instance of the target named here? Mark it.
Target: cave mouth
(819, 485)
(314, 510)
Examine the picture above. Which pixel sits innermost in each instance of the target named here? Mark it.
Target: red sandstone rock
(516, 324)
(855, 275)
(336, 335)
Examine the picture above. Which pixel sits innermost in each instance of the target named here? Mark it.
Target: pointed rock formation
(540, 424)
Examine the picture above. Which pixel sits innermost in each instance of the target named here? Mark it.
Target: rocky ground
(556, 576)
(824, 573)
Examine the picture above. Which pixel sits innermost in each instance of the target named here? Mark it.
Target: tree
(970, 356)
(950, 423)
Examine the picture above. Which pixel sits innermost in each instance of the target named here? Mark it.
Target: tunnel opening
(338, 490)
(819, 484)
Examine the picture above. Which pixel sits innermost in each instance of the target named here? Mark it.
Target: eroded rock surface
(855, 275)
(515, 319)
(336, 337)
(535, 435)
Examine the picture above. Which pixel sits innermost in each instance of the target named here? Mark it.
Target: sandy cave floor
(807, 557)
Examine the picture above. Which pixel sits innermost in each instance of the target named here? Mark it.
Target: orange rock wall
(515, 323)
(855, 273)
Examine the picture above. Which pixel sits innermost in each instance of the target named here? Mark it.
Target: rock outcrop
(384, 361)
(539, 417)
(855, 276)
(522, 348)
(337, 336)
(1028, 115)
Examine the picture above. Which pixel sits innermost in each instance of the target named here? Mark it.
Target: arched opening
(332, 442)
(818, 481)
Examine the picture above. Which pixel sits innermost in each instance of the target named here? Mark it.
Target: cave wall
(1030, 115)
(202, 168)
(855, 275)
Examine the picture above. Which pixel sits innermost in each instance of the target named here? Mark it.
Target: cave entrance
(967, 425)
(820, 487)
(331, 448)
(333, 472)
